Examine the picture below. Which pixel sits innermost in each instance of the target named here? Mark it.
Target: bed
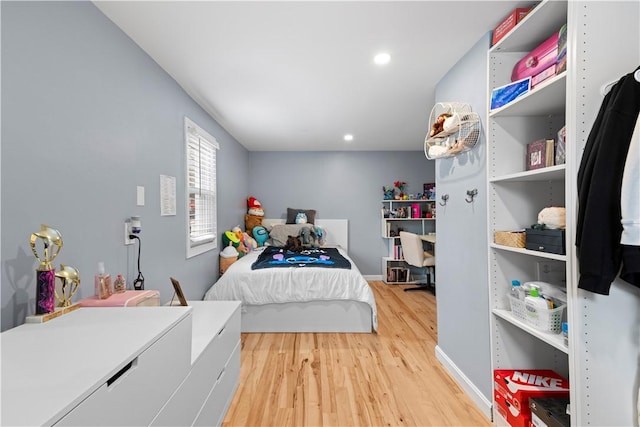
(313, 299)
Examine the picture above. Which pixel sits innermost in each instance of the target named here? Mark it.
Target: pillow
(310, 213)
(281, 232)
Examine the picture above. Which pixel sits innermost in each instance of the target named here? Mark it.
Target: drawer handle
(221, 375)
(122, 371)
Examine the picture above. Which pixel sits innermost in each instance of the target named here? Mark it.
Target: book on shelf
(540, 154)
(561, 146)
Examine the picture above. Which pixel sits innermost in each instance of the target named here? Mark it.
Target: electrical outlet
(551, 272)
(127, 232)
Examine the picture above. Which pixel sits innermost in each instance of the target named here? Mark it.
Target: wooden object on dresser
(117, 366)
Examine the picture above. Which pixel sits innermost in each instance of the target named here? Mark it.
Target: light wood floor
(391, 378)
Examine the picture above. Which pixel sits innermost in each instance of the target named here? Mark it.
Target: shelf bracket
(470, 195)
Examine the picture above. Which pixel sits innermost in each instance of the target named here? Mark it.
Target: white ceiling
(298, 75)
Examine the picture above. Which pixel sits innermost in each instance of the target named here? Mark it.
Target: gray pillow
(310, 213)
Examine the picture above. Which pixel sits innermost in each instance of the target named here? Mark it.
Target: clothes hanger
(605, 88)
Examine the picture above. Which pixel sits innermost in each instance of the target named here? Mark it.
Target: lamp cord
(138, 284)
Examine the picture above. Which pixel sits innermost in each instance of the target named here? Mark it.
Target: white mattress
(294, 284)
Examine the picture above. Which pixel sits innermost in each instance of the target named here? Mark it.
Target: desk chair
(415, 255)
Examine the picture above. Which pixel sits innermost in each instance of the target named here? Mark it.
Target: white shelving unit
(516, 196)
(421, 225)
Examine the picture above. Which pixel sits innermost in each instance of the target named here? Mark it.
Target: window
(201, 197)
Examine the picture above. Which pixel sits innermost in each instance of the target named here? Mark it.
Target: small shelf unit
(390, 227)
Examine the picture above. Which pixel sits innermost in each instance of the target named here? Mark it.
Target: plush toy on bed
(308, 237)
(254, 215)
(249, 242)
(301, 218)
(294, 244)
(260, 234)
(231, 238)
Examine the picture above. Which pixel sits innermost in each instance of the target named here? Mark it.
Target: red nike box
(512, 415)
(513, 388)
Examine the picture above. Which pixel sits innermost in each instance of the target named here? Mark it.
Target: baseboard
(479, 399)
(373, 277)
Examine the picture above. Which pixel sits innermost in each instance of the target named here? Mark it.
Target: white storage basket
(549, 320)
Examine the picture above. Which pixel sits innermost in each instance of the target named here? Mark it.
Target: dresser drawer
(219, 399)
(135, 394)
(185, 404)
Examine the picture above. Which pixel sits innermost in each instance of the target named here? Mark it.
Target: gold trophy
(45, 273)
(70, 278)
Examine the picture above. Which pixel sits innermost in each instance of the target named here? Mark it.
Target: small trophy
(70, 278)
(45, 273)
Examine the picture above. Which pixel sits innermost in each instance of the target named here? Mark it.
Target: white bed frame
(317, 316)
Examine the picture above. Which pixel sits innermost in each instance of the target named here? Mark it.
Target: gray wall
(338, 185)
(87, 116)
(461, 261)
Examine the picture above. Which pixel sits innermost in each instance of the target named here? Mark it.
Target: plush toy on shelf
(438, 125)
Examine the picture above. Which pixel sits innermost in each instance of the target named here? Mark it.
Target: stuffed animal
(254, 207)
(231, 238)
(260, 234)
(251, 221)
(301, 218)
(294, 244)
(308, 237)
(242, 249)
(249, 242)
(438, 125)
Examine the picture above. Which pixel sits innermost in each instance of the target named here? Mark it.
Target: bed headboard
(337, 230)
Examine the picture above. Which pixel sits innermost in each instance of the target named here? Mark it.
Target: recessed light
(348, 137)
(382, 58)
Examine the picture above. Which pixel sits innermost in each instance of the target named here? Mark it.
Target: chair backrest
(412, 248)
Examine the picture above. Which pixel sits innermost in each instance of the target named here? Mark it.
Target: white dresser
(122, 366)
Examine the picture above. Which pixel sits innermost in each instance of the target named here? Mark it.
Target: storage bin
(551, 241)
(549, 320)
(514, 239)
(538, 60)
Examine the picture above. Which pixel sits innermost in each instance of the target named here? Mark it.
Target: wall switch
(127, 231)
(140, 195)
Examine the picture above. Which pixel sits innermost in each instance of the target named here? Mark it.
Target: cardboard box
(508, 23)
(514, 388)
(503, 95)
(510, 413)
(549, 412)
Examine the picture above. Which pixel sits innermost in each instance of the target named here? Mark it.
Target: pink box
(124, 299)
(415, 210)
(538, 60)
(539, 78)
